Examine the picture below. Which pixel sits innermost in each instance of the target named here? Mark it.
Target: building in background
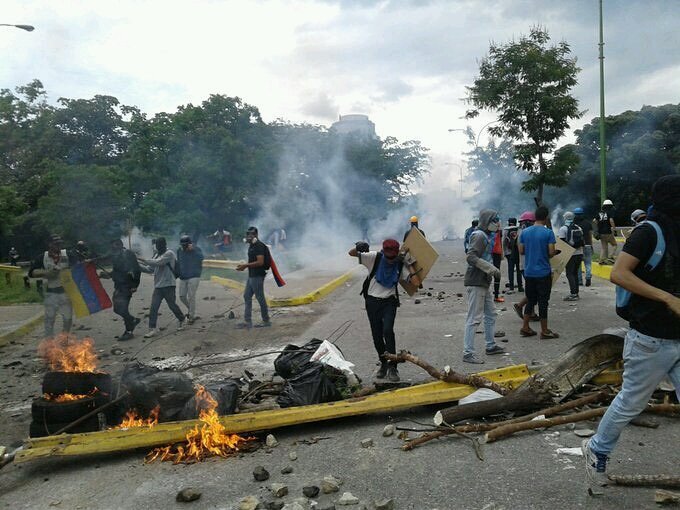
(355, 123)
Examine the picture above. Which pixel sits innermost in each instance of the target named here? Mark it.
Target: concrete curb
(305, 299)
(24, 328)
(601, 271)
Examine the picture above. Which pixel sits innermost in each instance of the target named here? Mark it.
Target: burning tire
(51, 412)
(76, 383)
(40, 429)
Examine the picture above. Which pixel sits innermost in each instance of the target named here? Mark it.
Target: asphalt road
(519, 472)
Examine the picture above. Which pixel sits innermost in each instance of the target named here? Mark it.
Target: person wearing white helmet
(604, 231)
(638, 216)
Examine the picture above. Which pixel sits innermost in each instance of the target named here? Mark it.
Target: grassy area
(14, 293)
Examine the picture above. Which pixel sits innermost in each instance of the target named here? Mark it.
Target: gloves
(362, 247)
(406, 258)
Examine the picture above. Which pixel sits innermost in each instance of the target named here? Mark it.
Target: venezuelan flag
(83, 288)
(275, 272)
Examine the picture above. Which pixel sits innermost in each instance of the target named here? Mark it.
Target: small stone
(388, 430)
(347, 499)
(384, 504)
(330, 484)
(403, 435)
(271, 441)
(212, 298)
(287, 470)
(366, 443)
(274, 505)
(458, 294)
(231, 315)
(584, 432)
(292, 455)
(249, 503)
(311, 491)
(279, 490)
(260, 474)
(417, 301)
(187, 495)
(293, 506)
(325, 506)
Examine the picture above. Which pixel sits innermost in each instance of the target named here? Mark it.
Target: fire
(68, 397)
(208, 439)
(133, 420)
(65, 353)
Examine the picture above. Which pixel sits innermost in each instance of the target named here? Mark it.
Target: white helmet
(607, 202)
(636, 214)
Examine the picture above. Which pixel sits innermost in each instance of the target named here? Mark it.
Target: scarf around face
(387, 274)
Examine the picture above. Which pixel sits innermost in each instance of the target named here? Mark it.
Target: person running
(587, 227)
(537, 244)
(651, 348)
(572, 234)
(126, 275)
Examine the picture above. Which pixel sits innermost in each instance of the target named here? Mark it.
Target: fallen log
(646, 480)
(447, 375)
(663, 497)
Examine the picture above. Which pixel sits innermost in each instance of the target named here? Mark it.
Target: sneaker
(126, 336)
(571, 297)
(382, 371)
(267, 324)
(496, 349)
(180, 325)
(244, 325)
(588, 282)
(499, 299)
(471, 358)
(392, 374)
(152, 332)
(596, 464)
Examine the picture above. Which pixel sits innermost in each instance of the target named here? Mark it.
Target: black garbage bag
(226, 393)
(150, 387)
(312, 386)
(294, 360)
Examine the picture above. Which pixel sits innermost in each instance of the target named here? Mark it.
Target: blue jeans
(255, 287)
(588, 262)
(646, 360)
(480, 304)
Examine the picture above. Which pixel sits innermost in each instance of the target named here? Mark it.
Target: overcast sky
(403, 63)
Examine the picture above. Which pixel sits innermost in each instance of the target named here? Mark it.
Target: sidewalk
(17, 320)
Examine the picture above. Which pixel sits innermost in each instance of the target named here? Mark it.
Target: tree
(528, 83)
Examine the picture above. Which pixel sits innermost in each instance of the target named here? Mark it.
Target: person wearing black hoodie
(651, 349)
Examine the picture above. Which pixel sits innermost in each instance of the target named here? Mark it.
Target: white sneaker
(151, 332)
(596, 465)
(180, 326)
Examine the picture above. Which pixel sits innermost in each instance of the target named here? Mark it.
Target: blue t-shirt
(536, 240)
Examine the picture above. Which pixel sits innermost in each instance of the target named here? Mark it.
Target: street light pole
(28, 28)
(460, 167)
(603, 140)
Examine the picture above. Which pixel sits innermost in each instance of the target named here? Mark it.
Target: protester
(652, 345)
(190, 260)
(572, 234)
(163, 265)
(49, 266)
(638, 216)
(223, 237)
(526, 220)
(537, 244)
(468, 233)
(497, 257)
(480, 272)
(13, 256)
(604, 231)
(258, 256)
(381, 295)
(414, 223)
(82, 253)
(587, 227)
(276, 239)
(125, 273)
(511, 253)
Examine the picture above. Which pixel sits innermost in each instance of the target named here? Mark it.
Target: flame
(207, 439)
(65, 353)
(68, 397)
(132, 419)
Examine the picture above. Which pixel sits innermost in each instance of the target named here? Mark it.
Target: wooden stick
(646, 480)
(90, 414)
(448, 375)
(663, 497)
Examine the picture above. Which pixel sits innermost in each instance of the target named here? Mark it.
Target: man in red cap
(386, 268)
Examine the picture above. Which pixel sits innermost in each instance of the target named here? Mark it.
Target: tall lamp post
(28, 28)
(603, 141)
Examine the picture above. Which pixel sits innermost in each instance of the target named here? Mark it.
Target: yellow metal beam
(166, 433)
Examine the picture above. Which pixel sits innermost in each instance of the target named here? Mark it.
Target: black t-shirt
(603, 225)
(258, 248)
(647, 316)
(587, 228)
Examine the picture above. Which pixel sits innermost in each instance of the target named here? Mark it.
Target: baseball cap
(390, 247)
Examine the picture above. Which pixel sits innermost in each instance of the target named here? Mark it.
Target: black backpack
(267, 258)
(575, 236)
(371, 275)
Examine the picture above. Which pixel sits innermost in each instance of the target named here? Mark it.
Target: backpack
(624, 296)
(575, 236)
(267, 258)
(371, 275)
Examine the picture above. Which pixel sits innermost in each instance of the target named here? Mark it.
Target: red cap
(390, 247)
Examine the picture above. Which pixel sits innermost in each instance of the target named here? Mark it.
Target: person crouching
(386, 268)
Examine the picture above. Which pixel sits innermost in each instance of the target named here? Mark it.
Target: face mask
(493, 227)
(568, 222)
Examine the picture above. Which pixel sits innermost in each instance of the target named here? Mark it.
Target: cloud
(321, 107)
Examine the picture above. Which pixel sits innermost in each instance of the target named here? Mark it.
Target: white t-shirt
(562, 233)
(374, 288)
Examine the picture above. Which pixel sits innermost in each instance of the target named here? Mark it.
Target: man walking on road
(480, 272)
(652, 346)
(605, 232)
(125, 274)
(380, 291)
(587, 227)
(537, 244)
(190, 260)
(572, 234)
(258, 263)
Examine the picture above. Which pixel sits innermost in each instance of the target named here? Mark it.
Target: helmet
(414, 219)
(578, 210)
(637, 214)
(527, 216)
(607, 202)
(568, 216)
(184, 240)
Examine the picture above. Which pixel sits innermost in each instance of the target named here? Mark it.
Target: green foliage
(14, 292)
(529, 83)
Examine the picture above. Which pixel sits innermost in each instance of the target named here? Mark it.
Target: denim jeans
(255, 287)
(572, 273)
(588, 262)
(646, 360)
(480, 304)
